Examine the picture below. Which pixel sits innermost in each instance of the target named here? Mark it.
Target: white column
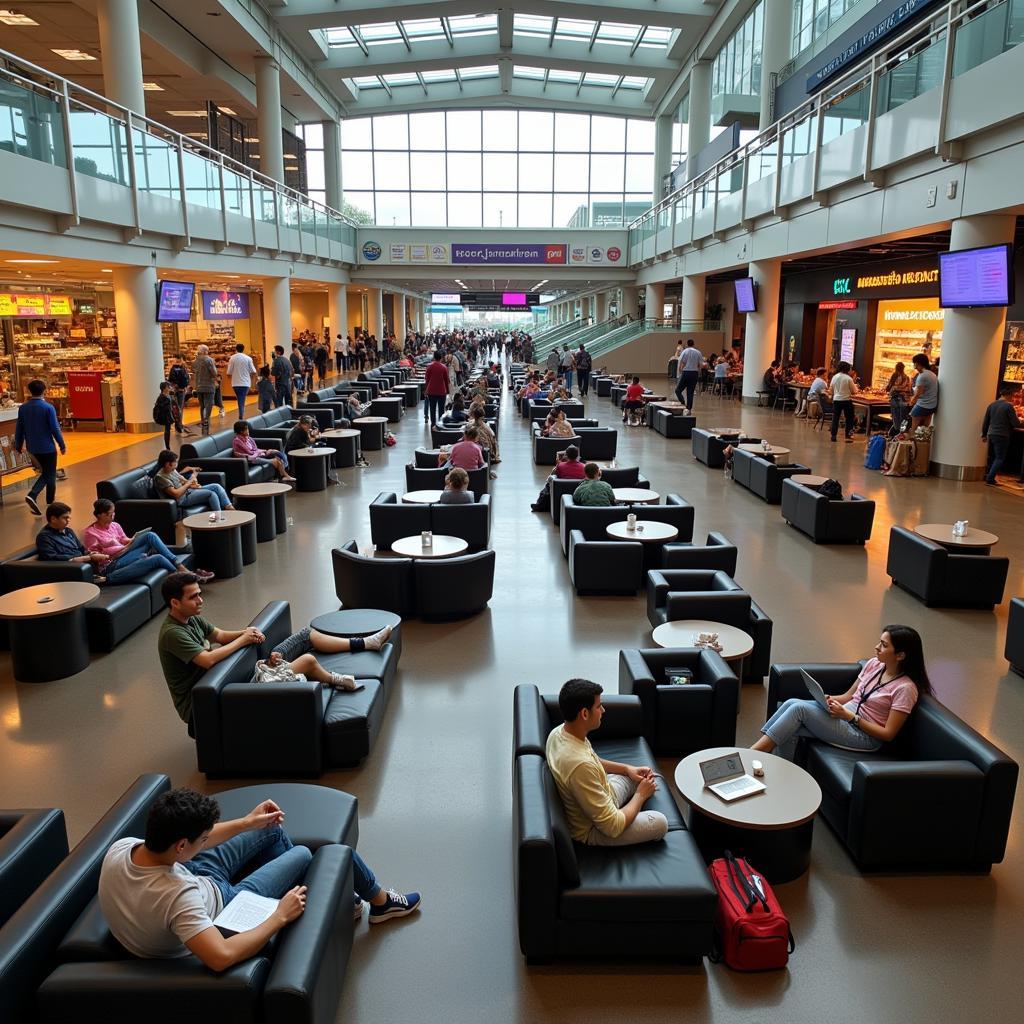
(662, 154)
(139, 345)
(400, 328)
(121, 52)
(602, 307)
(630, 301)
(762, 326)
(332, 164)
(277, 315)
(972, 345)
(268, 117)
(693, 301)
(655, 301)
(375, 308)
(337, 311)
(421, 316)
(699, 117)
(777, 16)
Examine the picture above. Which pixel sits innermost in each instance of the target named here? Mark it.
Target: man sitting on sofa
(567, 467)
(603, 799)
(593, 490)
(160, 895)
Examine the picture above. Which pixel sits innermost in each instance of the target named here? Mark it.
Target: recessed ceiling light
(72, 54)
(106, 270)
(187, 113)
(152, 87)
(227, 110)
(31, 261)
(8, 17)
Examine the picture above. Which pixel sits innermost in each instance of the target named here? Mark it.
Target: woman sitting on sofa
(871, 712)
(245, 447)
(184, 487)
(556, 425)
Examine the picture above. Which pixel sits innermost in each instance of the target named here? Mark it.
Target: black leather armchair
(545, 449)
(422, 479)
(471, 523)
(623, 476)
(761, 475)
(710, 448)
(717, 552)
(390, 520)
(32, 843)
(440, 436)
(213, 453)
(297, 728)
(362, 582)
(939, 797)
(605, 566)
(655, 899)
(453, 588)
(1014, 652)
(669, 424)
(426, 458)
(597, 442)
(825, 521)
(681, 719)
(674, 594)
(941, 577)
(593, 521)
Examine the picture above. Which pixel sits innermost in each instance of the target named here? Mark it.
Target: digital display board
(446, 298)
(745, 302)
(225, 305)
(513, 298)
(174, 301)
(34, 304)
(976, 277)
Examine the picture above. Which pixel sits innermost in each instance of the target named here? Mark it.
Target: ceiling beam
(505, 21)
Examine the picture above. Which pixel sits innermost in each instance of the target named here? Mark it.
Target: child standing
(165, 411)
(265, 390)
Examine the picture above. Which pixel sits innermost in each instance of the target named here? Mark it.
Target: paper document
(245, 911)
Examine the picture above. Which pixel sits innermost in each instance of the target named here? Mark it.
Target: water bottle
(291, 521)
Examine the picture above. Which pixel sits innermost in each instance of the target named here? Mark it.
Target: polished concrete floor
(435, 793)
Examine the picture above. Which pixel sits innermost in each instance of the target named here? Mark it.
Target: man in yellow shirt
(603, 800)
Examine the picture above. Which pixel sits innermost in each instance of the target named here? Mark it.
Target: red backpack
(752, 932)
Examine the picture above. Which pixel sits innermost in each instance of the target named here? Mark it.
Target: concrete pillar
(141, 350)
(777, 18)
(602, 306)
(662, 155)
(401, 328)
(630, 301)
(277, 316)
(337, 311)
(268, 117)
(655, 301)
(421, 316)
(375, 308)
(699, 117)
(121, 52)
(762, 326)
(972, 345)
(692, 312)
(332, 164)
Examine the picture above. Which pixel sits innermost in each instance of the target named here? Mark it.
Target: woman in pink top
(871, 712)
(245, 447)
(466, 454)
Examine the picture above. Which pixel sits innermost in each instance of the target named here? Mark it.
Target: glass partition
(31, 124)
(987, 35)
(98, 142)
(156, 164)
(202, 181)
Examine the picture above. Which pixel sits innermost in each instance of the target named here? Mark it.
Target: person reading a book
(162, 894)
(873, 709)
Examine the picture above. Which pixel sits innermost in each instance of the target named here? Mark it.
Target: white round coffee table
(978, 541)
(773, 451)
(426, 497)
(736, 644)
(443, 546)
(636, 496)
(772, 829)
(647, 531)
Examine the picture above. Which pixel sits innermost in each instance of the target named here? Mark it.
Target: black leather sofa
(33, 841)
(574, 900)
(941, 577)
(138, 504)
(622, 476)
(118, 611)
(593, 520)
(709, 594)
(825, 521)
(295, 728)
(938, 798)
(710, 448)
(445, 588)
(1014, 651)
(597, 442)
(426, 458)
(59, 962)
(605, 566)
(761, 475)
(670, 424)
(681, 719)
(717, 552)
(390, 519)
(417, 479)
(546, 449)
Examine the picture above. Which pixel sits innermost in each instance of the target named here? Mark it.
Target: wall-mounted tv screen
(513, 298)
(745, 301)
(174, 301)
(976, 277)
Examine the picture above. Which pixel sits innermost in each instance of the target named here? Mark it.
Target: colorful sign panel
(85, 398)
(510, 252)
(225, 305)
(34, 304)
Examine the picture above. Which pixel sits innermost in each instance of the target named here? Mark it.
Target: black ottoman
(372, 430)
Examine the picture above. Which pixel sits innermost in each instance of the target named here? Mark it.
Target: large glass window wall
(492, 168)
(813, 18)
(736, 70)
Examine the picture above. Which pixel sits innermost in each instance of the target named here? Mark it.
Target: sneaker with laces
(346, 683)
(357, 908)
(397, 905)
(377, 640)
(33, 507)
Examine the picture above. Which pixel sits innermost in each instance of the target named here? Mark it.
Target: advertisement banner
(419, 252)
(85, 399)
(225, 305)
(599, 254)
(34, 304)
(510, 252)
(439, 254)
(399, 253)
(578, 254)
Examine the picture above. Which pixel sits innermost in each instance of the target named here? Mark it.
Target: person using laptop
(871, 712)
(603, 800)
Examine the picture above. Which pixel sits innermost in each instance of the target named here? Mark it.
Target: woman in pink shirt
(871, 712)
(245, 447)
(466, 454)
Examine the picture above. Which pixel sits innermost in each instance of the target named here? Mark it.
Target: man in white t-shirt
(691, 362)
(842, 389)
(340, 353)
(243, 374)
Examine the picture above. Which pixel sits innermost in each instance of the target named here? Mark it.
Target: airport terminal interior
(808, 191)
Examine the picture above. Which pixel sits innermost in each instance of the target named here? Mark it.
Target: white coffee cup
(428, 539)
(213, 517)
(631, 521)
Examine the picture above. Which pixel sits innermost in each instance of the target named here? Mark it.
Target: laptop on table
(727, 778)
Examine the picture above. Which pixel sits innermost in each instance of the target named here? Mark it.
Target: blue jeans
(205, 408)
(209, 494)
(997, 449)
(240, 396)
(277, 864)
(808, 718)
(148, 553)
(568, 380)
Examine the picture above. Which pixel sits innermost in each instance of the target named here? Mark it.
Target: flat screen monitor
(745, 301)
(976, 277)
(513, 298)
(174, 301)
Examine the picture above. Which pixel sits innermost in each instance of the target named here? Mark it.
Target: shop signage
(847, 342)
(225, 305)
(85, 396)
(511, 252)
(34, 304)
(371, 251)
(838, 304)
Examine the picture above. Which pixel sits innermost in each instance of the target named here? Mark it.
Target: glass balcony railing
(913, 64)
(42, 116)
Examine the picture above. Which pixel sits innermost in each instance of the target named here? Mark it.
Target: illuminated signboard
(34, 304)
(225, 305)
(446, 298)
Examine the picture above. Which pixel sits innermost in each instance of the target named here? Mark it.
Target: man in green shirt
(593, 490)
